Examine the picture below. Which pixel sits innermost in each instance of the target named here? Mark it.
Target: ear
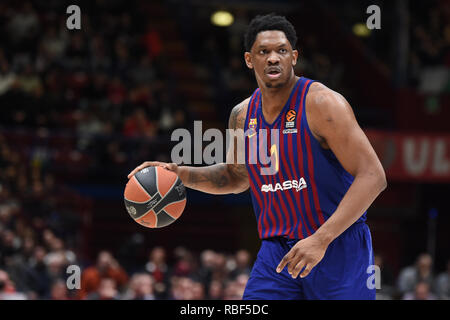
(248, 60)
(294, 57)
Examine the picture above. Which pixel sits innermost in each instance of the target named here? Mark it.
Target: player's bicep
(344, 136)
(353, 150)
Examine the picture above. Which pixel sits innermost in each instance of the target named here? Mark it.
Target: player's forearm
(215, 179)
(361, 194)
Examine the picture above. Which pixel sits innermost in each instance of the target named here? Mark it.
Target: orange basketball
(155, 197)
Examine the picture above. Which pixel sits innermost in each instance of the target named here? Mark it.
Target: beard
(276, 85)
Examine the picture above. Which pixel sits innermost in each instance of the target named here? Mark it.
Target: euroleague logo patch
(291, 115)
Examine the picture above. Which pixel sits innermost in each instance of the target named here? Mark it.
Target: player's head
(270, 43)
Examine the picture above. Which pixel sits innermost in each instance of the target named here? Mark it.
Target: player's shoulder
(319, 94)
(241, 107)
(325, 109)
(324, 101)
(238, 115)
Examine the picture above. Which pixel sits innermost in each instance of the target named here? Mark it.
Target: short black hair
(266, 22)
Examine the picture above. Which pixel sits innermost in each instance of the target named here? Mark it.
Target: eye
(283, 50)
(262, 51)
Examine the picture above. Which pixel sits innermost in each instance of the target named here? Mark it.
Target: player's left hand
(306, 253)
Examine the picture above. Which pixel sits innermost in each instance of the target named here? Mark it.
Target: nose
(273, 58)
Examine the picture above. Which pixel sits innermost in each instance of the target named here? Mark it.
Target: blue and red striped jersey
(295, 184)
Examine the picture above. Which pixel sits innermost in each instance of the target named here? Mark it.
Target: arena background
(79, 109)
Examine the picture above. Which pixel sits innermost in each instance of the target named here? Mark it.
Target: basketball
(155, 197)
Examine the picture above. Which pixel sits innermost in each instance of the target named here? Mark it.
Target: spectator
(232, 291)
(216, 290)
(7, 288)
(7, 77)
(10, 244)
(28, 81)
(140, 288)
(443, 283)
(206, 266)
(186, 288)
(181, 288)
(421, 272)
(89, 124)
(53, 43)
(145, 73)
(241, 282)
(56, 265)
(57, 247)
(421, 292)
(184, 265)
(220, 271)
(106, 267)
(198, 290)
(24, 24)
(152, 42)
(40, 277)
(59, 290)
(107, 290)
(159, 270)
(243, 264)
(138, 124)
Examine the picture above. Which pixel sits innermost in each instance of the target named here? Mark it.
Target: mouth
(273, 73)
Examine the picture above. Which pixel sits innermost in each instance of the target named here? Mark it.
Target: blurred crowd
(42, 274)
(38, 219)
(110, 78)
(100, 92)
(418, 281)
(430, 46)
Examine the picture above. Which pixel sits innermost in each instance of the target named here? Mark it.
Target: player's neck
(274, 99)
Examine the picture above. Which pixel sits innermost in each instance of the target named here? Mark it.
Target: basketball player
(310, 212)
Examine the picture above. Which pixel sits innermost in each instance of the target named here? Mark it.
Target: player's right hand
(169, 166)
